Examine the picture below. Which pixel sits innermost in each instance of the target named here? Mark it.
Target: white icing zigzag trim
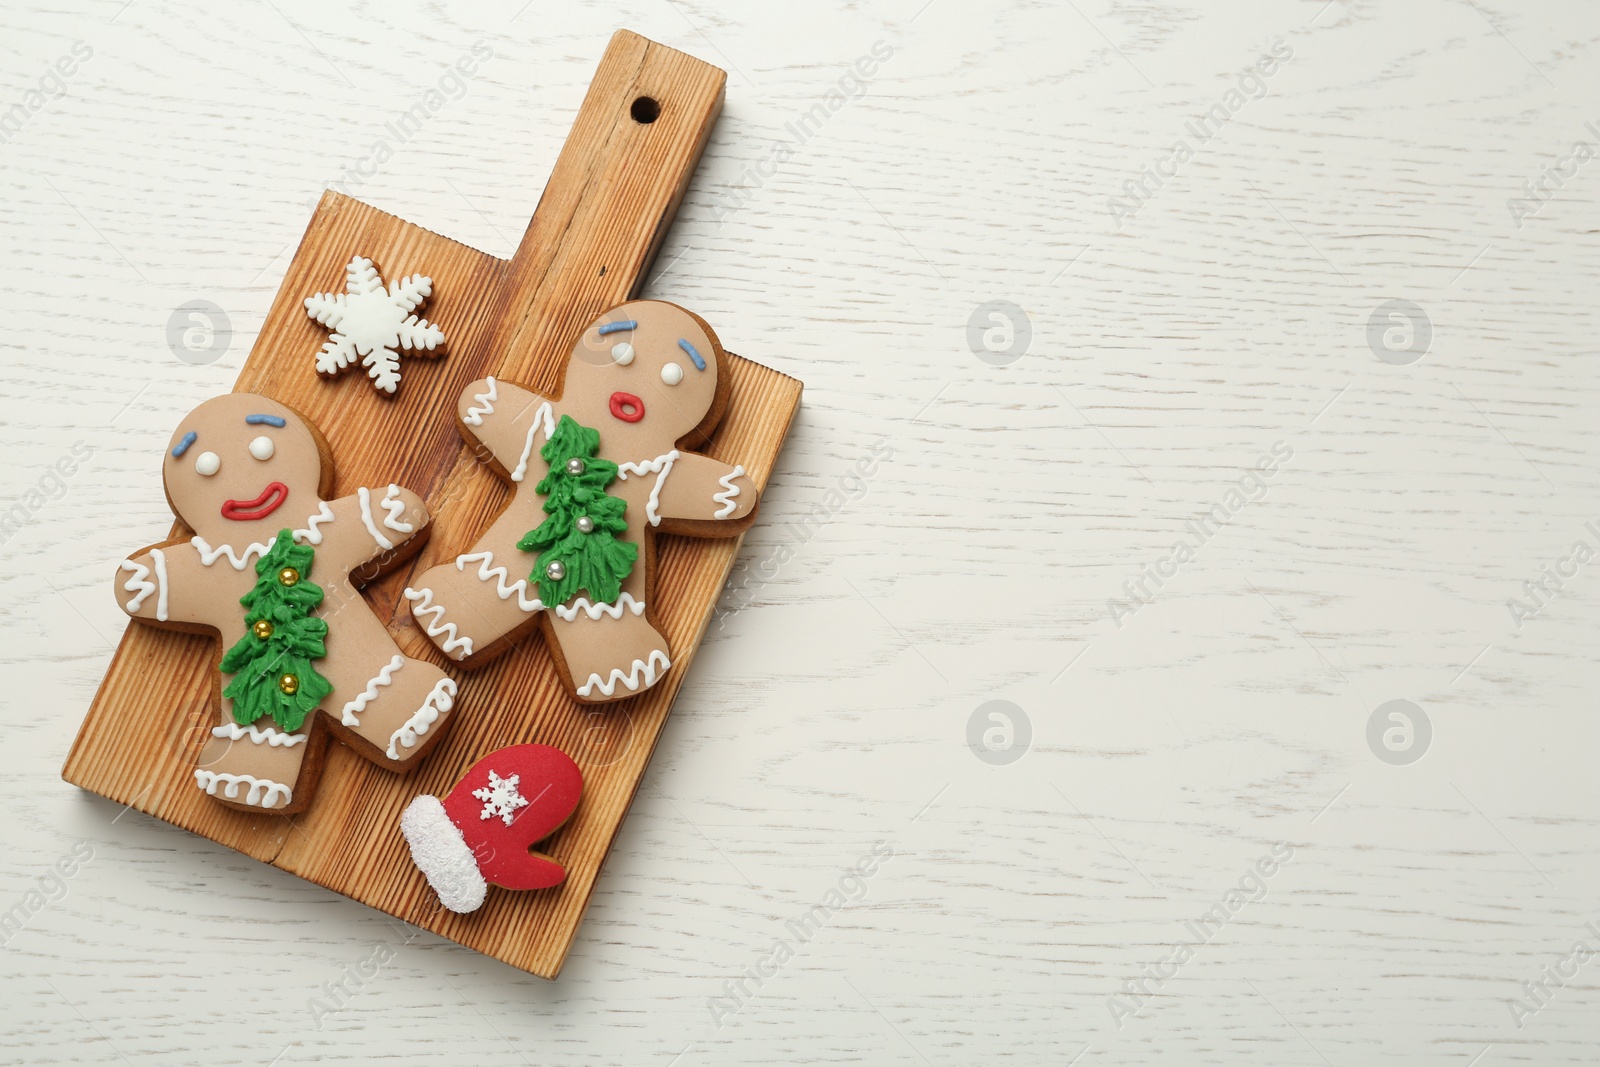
(726, 498)
(140, 573)
(545, 414)
(262, 790)
(365, 496)
(661, 466)
(257, 734)
(406, 737)
(370, 693)
(474, 415)
(395, 507)
(209, 555)
(500, 574)
(160, 559)
(312, 535)
(594, 611)
(425, 606)
(631, 679)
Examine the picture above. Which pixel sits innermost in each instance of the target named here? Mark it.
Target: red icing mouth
(627, 407)
(269, 501)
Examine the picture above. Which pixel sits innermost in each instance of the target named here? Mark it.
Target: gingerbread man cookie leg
(475, 601)
(610, 658)
(272, 569)
(595, 474)
(256, 765)
(386, 705)
(483, 597)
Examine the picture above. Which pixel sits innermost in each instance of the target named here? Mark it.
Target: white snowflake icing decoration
(500, 797)
(374, 324)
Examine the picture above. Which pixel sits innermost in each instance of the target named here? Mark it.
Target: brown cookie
(303, 654)
(650, 380)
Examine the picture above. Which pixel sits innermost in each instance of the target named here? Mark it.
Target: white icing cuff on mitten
(441, 853)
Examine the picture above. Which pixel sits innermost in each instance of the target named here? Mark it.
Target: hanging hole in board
(645, 110)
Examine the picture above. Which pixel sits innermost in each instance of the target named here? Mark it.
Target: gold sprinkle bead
(288, 576)
(289, 685)
(262, 628)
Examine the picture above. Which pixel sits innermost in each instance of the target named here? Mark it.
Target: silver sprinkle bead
(575, 466)
(555, 571)
(585, 524)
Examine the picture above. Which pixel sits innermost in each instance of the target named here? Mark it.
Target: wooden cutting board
(598, 226)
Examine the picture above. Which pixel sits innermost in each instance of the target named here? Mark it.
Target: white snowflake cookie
(374, 324)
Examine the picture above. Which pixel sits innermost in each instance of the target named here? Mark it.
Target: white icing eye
(261, 448)
(672, 374)
(206, 464)
(622, 352)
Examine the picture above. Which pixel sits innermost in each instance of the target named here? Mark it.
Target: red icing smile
(247, 510)
(627, 407)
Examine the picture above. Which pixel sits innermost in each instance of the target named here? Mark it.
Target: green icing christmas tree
(593, 560)
(271, 663)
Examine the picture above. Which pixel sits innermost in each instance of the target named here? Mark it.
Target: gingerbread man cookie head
(647, 374)
(241, 467)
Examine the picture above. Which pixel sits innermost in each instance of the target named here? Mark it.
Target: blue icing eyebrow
(183, 445)
(699, 361)
(263, 420)
(615, 327)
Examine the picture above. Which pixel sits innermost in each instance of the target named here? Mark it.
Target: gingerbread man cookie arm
(369, 526)
(166, 583)
(702, 489)
(508, 423)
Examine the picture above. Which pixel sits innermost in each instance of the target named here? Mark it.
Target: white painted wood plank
(830, 707)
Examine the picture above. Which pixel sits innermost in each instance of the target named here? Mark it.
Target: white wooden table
(1025, 471)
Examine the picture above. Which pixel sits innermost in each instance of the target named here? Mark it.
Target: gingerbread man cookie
(595, 474)
(272, 569)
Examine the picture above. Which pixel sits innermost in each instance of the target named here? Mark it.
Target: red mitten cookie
(484, 830)
(272, 570)
(595, 474)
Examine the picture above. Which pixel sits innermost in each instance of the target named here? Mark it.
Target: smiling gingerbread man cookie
(595, 474)
(272, 569)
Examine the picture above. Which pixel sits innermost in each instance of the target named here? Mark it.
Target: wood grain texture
(616, 185)
(869, 616)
